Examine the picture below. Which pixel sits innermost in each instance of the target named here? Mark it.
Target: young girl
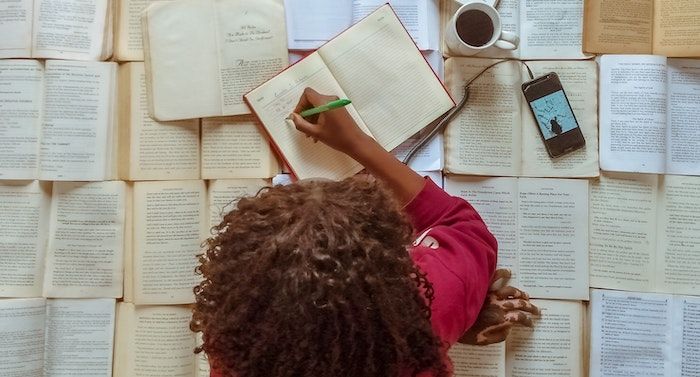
(350, 278)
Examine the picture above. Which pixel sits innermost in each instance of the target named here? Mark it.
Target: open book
(56, 337)
(57, 120)
(375, 64)
(202, 55)
(541, 226)
(547, 29)
(156, 341)
(56, 29)
(496, 133)
(661, 27)
(645, 233)
(65, 242)
(554, 347)
(644, 334)
(649, 108)
(167, 224)
(310, 24)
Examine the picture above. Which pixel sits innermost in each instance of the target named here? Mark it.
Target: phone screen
(553, 114)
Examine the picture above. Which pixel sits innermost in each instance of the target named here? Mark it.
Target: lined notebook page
(383, 73)
(276, 99)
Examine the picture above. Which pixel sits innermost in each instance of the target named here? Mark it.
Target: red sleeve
(457, 252)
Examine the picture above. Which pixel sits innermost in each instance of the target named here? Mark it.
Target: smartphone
(555, 119)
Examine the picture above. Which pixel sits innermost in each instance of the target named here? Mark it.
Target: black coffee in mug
(474, 27)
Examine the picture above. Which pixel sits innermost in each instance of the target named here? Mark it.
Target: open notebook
(375, 64)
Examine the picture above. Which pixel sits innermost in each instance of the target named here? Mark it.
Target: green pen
(329, 106)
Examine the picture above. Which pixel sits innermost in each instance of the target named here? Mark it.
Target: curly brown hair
(314, 279)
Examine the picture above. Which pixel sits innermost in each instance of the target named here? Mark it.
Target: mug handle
(508, 41)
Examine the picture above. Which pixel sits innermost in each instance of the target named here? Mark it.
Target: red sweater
(458, 254)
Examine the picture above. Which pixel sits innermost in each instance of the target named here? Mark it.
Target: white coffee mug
(499, 38)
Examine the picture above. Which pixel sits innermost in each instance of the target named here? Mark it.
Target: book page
(551, 29)
(613, 26)
(223, 194)
(156, 150)
(70, 29)
(20, 117)
(478, 361)
(22, 337)
(686, 335)
(170, 220)
(553, 238)
(154, 341)
(683, 154)
(623, 231)
(485, 137)
(85, 253)
(79, 337)
(16, 28)
(23, 230)
(234, 147)
(633, 113)
(415, 16)
(383, 73)
(496, 200)
(77, 120)
(201, 360)
(128, 42)
(311, 23)
(554, 347)
(580, 82)
(252, 44)
(129, 244)
(273, 101)
(630, 334)
(676, 28)
(678, 233)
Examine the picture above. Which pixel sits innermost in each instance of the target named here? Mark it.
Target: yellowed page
(169, 224)
(16, 28)
(678, 235)
(85, 253)
(154, 341)
(580, 82)
(553, 237)
(70, 29)
(23, 232)
(78, 120)
(129, 244)
(277, 98)
(22, 323)
(554, 347)
(623, 231)
(205, 54)
(201, 360)
(156, 150)
(21, 98)
(223, 194)
(234, 147)
(485, 138)
(79, 337)
(478, 361)
(621, 27)
(676, 28)
(128, 43)
(383, 73)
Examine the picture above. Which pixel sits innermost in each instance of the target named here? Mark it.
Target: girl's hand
(504, 307)
(335, 128)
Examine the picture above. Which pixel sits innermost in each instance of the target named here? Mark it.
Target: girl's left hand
(504, 307)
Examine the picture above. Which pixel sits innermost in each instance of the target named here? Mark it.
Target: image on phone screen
(553, 114)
